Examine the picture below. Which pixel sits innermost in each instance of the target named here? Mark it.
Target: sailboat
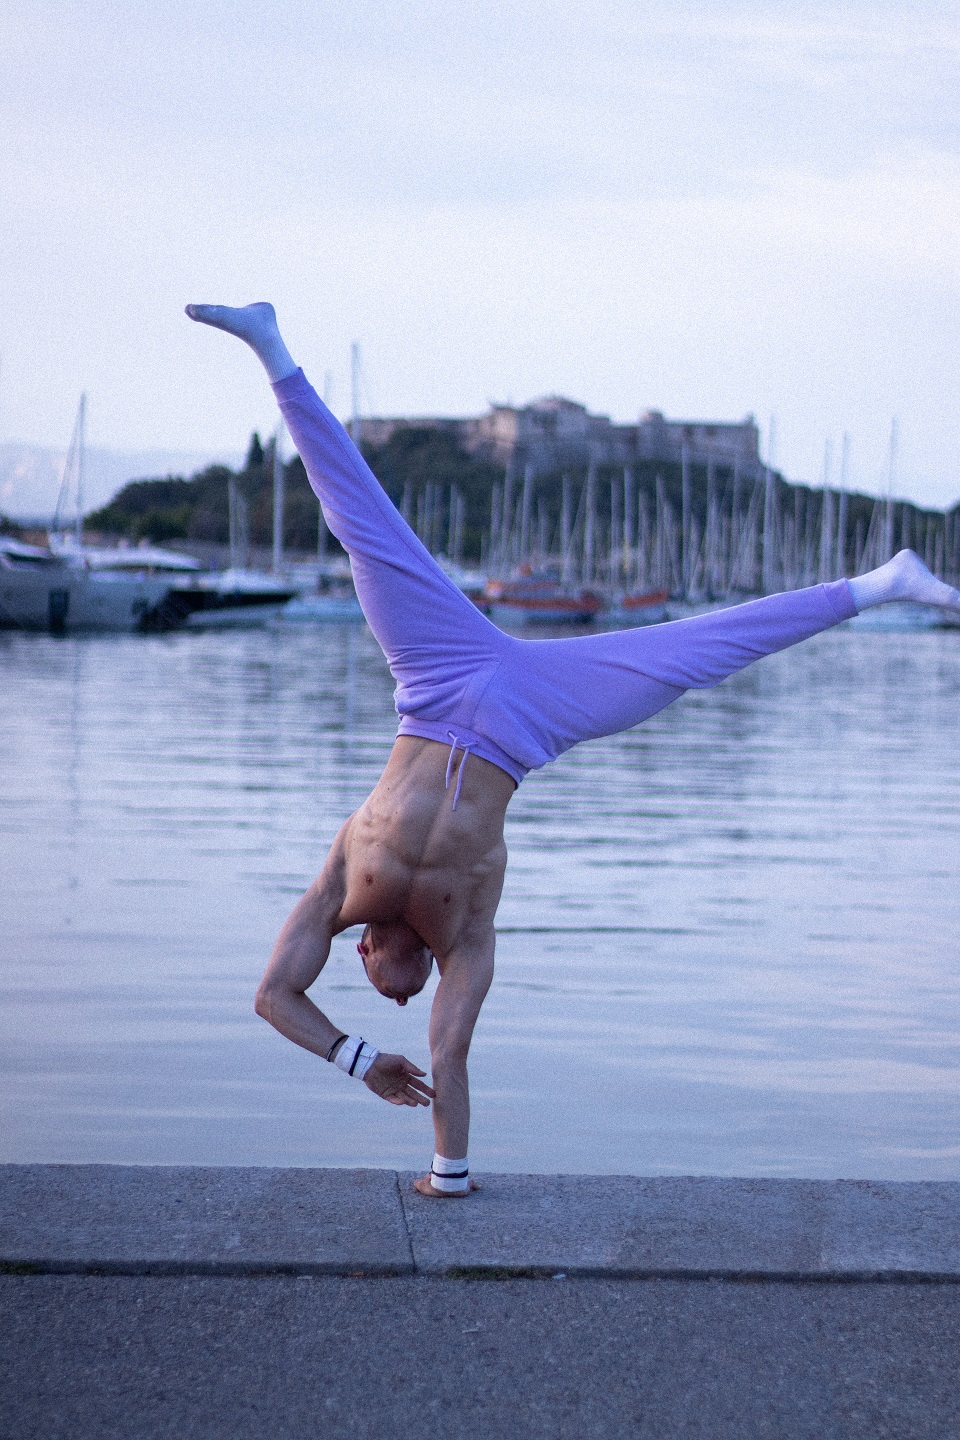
(540, 598)
(237, 596)
(541, 592)
(66, 586)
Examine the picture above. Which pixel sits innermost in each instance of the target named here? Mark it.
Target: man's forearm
(297, 1018)
(451, 1107)
(464, 981)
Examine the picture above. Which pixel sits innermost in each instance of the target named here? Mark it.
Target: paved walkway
(414, 1358)
(165, 1302)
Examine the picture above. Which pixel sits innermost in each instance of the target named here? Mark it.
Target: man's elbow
(275, 1001)
(449, 1057)
(264, 1001)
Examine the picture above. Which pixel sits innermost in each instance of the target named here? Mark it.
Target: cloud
(713, 210)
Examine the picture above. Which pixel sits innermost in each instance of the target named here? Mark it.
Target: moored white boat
(901, 615)
(67, 585)
(226, 599)
(58, 591)
(320, 608)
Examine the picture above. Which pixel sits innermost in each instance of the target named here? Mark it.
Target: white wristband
(355, 1056)
(452, 1177)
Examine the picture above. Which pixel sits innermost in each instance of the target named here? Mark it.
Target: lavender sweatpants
(518, 703)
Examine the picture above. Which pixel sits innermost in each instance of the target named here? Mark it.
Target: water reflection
(727, 943)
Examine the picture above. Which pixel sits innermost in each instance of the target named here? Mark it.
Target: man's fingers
(397, 1079)
(404, 1095)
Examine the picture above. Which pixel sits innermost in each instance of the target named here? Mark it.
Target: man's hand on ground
(424, 1186)
(397, 1079)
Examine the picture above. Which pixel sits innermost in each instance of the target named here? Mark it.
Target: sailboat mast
(355, 392)
(590, 524)
(769, 504)
(278, 501)
(826, 516)
(525, 511)
(711, 539)
(232, 520)
(565, 531)
(628, 523)
(506, 518)
(891, 469)
(74, 462)
(81, 461)
(685, 514)
(841, 565)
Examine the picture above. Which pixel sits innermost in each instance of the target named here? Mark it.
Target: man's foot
(250, 322)
(257, 325)
(423, 1186)
(905, 577)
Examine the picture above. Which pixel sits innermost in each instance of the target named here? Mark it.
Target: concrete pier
(166, 1303)
(173, 1220)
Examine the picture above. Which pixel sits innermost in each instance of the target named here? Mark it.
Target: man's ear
(363, 949)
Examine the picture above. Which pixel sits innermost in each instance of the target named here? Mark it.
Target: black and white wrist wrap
(355, 1056)
(451, 1177)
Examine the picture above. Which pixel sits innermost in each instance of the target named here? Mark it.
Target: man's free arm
(299, 955)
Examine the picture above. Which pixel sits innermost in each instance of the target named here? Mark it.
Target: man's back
(409, 855)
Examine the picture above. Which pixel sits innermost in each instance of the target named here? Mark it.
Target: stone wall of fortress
(554, 432)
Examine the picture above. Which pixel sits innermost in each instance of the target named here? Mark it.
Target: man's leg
(551, 694)
(433, 636)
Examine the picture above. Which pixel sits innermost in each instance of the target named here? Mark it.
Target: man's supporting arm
(464, 981)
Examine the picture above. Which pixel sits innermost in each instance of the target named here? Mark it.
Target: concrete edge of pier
(188, 1220)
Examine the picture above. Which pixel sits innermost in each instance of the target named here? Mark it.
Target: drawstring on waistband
(467, 750)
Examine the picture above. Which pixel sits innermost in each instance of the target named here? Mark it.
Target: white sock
(450, 1176)
(257, 325)
(905, 577)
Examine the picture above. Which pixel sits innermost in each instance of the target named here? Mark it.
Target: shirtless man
(423, 869)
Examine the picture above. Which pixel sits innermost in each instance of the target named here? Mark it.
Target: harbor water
(728, 942)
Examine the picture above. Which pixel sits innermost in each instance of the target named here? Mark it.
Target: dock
(155, 1301)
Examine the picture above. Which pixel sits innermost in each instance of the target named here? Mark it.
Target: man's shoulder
(331, 882)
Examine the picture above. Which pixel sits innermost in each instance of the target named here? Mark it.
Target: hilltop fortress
(554, 432)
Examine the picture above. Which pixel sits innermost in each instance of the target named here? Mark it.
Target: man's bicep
(303, 945)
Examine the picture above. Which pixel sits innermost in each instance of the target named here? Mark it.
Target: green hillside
(420, 466)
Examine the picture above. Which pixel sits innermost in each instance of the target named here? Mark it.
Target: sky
(707, 209)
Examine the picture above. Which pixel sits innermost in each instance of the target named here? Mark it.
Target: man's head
(396, 960)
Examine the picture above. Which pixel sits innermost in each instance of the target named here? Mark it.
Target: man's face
(396, 961)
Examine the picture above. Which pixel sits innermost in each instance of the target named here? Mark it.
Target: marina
(643, 573)
(727, 943)
(694, 948)
(603, 542)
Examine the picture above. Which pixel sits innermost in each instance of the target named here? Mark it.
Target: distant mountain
(30, 474)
